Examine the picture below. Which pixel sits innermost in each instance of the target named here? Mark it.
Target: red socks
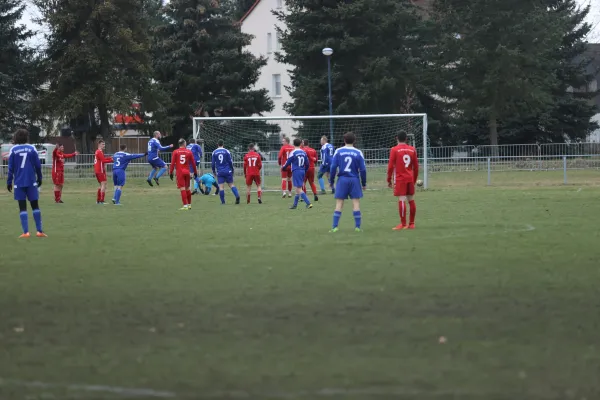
(289, 186)
(283, 184)
(413, 211)
(402, 212)
(98, 196)
(248, 197)
(184, 197)
(313, 188)
(259, 194)
(57, 195)
(189, 196)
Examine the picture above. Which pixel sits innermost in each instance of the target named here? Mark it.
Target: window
(269, 43)
(276, 85)
(279, 4)
(277, 41)
(593, 86)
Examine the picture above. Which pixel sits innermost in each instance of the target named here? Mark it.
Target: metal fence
(442, 161)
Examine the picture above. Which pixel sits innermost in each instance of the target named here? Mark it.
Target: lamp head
(327, 51)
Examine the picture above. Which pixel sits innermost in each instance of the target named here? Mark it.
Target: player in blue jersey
(158, 165)
(25, 179)
(222, 167)
(326, 157)
(300, 163)
(197, 152)
(121, 160)
(351, 182)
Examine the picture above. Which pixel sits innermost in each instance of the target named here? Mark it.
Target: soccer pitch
(493, 296)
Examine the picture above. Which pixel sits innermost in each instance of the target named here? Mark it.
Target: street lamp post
(327, 52)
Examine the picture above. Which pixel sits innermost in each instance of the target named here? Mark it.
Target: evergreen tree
(204, 66)
(97, 60)
(499, 56)
(380, 61)
(15, 67)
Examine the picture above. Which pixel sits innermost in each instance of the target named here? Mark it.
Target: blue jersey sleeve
(213, 163)
(134, 156)
(363, 171)
(287, 163)
(162, 148)
(333, 170)
(11, 163)
(230, 162)
(306, 162)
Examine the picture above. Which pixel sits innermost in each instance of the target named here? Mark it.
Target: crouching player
(121, 160)
(405, 164)
(351, 164)
(298, 160)
(208, 181)
(181, 161)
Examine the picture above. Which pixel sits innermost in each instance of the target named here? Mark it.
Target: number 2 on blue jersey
(348, 161)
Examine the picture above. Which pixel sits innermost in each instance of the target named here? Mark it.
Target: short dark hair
(192, 141)
(220, 142)
(99, 141)
(349, 138)
(297, 142)
(21, 136)
(181, 142)
(305, 142)
(401, 136)
(251, 146)
(123, 146)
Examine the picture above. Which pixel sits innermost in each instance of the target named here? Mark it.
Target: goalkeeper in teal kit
(208, 181)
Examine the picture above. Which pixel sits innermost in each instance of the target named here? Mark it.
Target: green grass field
(261, 302)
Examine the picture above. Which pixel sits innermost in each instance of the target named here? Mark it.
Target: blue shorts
(348, 188)
(323, 169)
(298, 178)
(157, 163)
(30, 193)
(119, 177)
(225, 178)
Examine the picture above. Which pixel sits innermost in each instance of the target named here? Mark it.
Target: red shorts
(252, 178)
(404, 188)
(310, 175)
(183, 181)
(101, 177)
(286, 174)
(58, 178)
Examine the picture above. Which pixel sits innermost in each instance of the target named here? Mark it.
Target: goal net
(375, 136)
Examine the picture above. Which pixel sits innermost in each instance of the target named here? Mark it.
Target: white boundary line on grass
(238, 394)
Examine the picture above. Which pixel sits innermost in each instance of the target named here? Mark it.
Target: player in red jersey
(181, 161)
(252, 167)
(405, 164)
(310, 173)
(286, 175)
(100, 169)
(58, 170)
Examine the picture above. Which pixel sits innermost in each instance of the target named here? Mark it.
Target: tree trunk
(104, 125)
(494, 134)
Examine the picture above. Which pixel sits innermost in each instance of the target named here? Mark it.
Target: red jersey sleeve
(173, 159)
(282, 151)
(70, 155)
(391, 164)
(415, 165)
(245, 164)
(259, 163)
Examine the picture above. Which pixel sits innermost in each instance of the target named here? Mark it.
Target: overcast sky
(31, 13)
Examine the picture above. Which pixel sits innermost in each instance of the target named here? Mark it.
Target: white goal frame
(196, 128)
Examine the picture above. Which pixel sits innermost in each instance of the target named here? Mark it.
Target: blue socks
(222, 196)
(322, 183)
(235, 192)
(296, 200)
(161, 172)
(305, 198)
(336, 218)
(37, 216)
(24, 221)
(357, 218)
(118, 195)
(152, 173)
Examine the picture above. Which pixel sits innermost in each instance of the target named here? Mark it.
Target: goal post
(375, 136)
